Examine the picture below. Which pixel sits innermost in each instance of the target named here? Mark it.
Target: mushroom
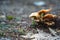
(35, 16)
(44, 11)
(49, 16)
(49, 19)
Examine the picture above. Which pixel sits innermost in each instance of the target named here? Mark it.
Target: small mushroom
(35, 16)
(49, 16)
(44, 11)
(49, 19)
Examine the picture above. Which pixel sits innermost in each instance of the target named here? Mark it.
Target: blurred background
(14, 14)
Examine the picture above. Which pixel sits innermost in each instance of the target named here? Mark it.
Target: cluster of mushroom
(43, 16)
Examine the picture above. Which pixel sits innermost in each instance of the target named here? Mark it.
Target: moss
(9, 17)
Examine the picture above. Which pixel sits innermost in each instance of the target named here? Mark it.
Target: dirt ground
(21, 9)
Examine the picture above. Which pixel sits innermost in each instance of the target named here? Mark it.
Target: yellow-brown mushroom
(49, 16)
(44, 11)
(49, 19)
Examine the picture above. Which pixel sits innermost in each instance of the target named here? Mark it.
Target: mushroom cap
(49, 16)
(34, 14)
(44, 11)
